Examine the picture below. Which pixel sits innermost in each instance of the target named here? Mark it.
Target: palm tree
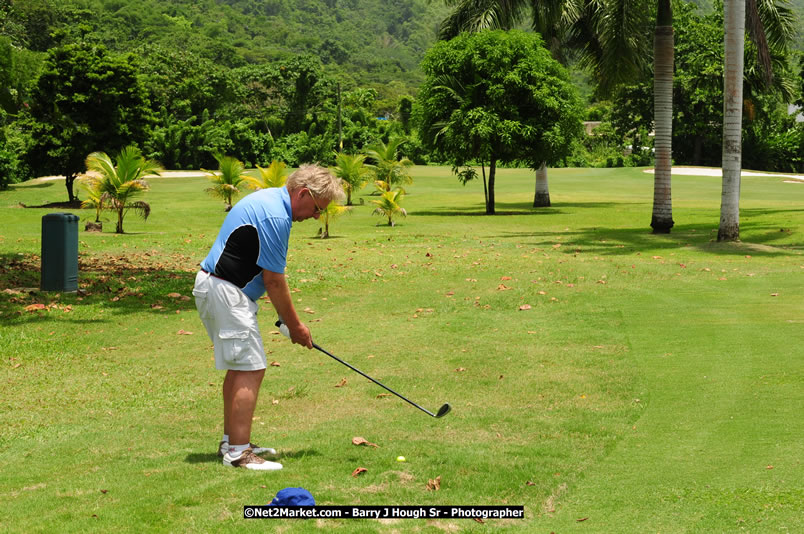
(123, 180)
(388, 206)
(352, 172)
(771, 26)
(91, 184)
(231, 174)
(274, 176)
(389, 170)
(734, 25)
(331, 212)
(662, 217)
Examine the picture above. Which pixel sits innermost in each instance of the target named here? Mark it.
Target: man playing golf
(247, 260)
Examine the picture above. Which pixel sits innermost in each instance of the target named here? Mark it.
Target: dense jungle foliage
(297, 80)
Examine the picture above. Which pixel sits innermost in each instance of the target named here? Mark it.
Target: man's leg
(228, 385)
(240, 390)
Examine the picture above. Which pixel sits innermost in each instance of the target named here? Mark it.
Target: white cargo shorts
(230, 318)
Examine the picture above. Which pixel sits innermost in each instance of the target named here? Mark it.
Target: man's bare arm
(276, 286)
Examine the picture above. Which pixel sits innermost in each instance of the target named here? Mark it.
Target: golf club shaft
(356, 370)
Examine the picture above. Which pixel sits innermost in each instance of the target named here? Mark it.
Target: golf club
(444, 410)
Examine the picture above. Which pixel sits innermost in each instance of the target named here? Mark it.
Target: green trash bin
(59, 252)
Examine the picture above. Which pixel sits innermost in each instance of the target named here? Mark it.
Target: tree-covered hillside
(362, 42)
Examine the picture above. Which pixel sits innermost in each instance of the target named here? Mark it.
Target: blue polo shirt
(254, 236)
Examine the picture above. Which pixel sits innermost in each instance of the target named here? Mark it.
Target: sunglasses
(318, 210)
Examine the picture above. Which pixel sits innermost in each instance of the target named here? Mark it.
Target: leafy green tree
(497, 97)
(388, 168)
(603, 35)
(183, 83)
(85, 99)
(405, 110)
(388, 206)
(231, 174)
(123, 180)
(304, 89)
(276, 175)
(352, 172)
(10, 171)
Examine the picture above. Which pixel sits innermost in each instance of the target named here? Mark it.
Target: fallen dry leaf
(524, 307)
(530, 483)
(275, 364)
(381, 395)
(34, 307)
(460, 369)
(503, 287)
(774, 294)
(504, 278)
(184, 333)
(581, 519)
(434, 484)
(174, 295)
(359, 471)
(363, 441)
(341, 383)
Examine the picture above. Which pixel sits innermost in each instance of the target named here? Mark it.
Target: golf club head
(444, 410)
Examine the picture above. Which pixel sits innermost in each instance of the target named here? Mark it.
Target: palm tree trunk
(541, 197)
(119, 228)
(490, 196)
(734, 25)
(662, 218)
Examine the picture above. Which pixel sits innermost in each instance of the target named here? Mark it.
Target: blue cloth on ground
(293, 497)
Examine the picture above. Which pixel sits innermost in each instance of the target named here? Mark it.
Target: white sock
(225, 438)
(237, 450)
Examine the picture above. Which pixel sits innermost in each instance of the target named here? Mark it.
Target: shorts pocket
(234, 345)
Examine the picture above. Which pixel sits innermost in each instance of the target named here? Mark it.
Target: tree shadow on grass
(504, 209)
(133, 283)
(763, 240)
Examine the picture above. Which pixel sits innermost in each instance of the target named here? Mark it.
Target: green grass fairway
(607, 379)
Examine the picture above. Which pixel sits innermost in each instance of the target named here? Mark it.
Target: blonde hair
(319, 180)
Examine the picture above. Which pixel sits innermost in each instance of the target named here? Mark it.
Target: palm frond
(478, 15)
(275, 175)
(143, 209)
(117, 182)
